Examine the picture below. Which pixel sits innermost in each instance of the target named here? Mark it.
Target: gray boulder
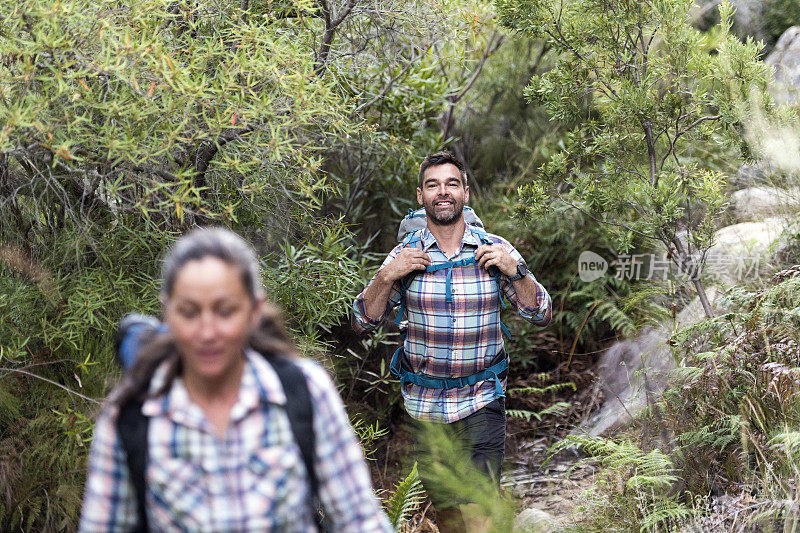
(633, 369)
(758, 203)
(748, 19)
(760, 173)
(741, 250)
(532, 520)
(785, 59)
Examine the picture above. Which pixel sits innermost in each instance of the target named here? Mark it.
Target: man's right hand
(407, 261)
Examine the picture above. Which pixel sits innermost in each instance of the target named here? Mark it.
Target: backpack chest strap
(416, 236)
(448, 290)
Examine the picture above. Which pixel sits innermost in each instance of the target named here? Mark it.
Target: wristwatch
(522, 271)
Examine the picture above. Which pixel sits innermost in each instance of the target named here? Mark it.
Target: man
(454, 328)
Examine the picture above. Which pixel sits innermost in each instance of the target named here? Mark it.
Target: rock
(632, 370)
(759, 203)
(532, 520)
(761, 173)
(741, 250)
(748, 19)
(519, 491)
(785, 59)
(786, 249)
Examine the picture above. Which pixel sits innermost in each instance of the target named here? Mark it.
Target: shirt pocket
(180, 493)
(276, 488)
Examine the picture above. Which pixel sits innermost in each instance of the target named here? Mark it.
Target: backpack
(417, 220)
(409, 234)
(132, 425)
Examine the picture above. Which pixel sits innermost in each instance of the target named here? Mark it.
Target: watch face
(522, 270)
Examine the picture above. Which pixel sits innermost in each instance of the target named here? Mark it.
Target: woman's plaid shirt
(251, 480)
(453, 339)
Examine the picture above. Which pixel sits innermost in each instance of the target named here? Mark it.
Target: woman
(220, 450)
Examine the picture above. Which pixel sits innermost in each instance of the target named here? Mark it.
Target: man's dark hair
(442, 158)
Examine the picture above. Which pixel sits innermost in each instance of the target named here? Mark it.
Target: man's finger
(424, 261)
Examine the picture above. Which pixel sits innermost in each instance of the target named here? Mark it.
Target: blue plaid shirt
(252, 479)
(457, 338)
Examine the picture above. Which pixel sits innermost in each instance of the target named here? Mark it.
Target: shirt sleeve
(363, 323)
(541, 313)
(109, 501)
(345, 486)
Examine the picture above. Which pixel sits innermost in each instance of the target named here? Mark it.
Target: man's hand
(376, 295)
(407, 261)
(489, 255)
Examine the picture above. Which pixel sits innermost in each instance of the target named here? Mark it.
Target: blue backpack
(409, 234)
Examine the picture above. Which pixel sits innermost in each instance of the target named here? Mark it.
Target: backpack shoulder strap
(132, 428)
(481, 234)
(300, 411)
(412, 238)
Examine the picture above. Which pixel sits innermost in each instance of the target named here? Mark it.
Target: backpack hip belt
(491, 373)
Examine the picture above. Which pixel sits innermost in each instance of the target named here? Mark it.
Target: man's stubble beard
(430, 211)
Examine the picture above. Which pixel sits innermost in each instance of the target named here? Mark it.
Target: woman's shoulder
(317, 377)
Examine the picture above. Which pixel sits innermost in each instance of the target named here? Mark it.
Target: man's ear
(419, 196)
(466, 194)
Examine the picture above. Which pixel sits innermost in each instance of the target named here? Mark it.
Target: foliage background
(300, 124)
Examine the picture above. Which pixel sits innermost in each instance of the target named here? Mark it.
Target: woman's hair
(269, 338)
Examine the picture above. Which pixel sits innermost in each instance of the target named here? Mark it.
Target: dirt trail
(556, 488)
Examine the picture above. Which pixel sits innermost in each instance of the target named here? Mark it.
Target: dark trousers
(481, 436)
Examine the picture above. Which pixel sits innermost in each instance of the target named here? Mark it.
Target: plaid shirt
(252, 479)
(454, 339)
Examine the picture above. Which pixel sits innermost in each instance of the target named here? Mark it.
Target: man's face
(443, 194)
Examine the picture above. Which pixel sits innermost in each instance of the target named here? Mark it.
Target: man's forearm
(527, 291)
(376, 296)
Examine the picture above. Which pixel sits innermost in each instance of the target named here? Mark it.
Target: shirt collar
(429, 240)
(259, 384)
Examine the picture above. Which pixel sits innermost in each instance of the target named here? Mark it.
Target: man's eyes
(454, 183)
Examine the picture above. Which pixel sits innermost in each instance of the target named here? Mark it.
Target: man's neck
(448, 237)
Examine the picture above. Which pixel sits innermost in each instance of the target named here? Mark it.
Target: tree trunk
(701, 293)
(651, 151)
(685, 263)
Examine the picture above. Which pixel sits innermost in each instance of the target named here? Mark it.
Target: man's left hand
(488, 255)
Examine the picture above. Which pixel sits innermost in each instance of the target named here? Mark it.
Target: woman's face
(211, 315)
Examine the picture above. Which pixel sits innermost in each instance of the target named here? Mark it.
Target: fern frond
(664, 515)
(523, 413)
(406, 498)
(554, 388)
(557, 409)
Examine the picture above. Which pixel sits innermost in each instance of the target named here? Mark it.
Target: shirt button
(454, 320)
